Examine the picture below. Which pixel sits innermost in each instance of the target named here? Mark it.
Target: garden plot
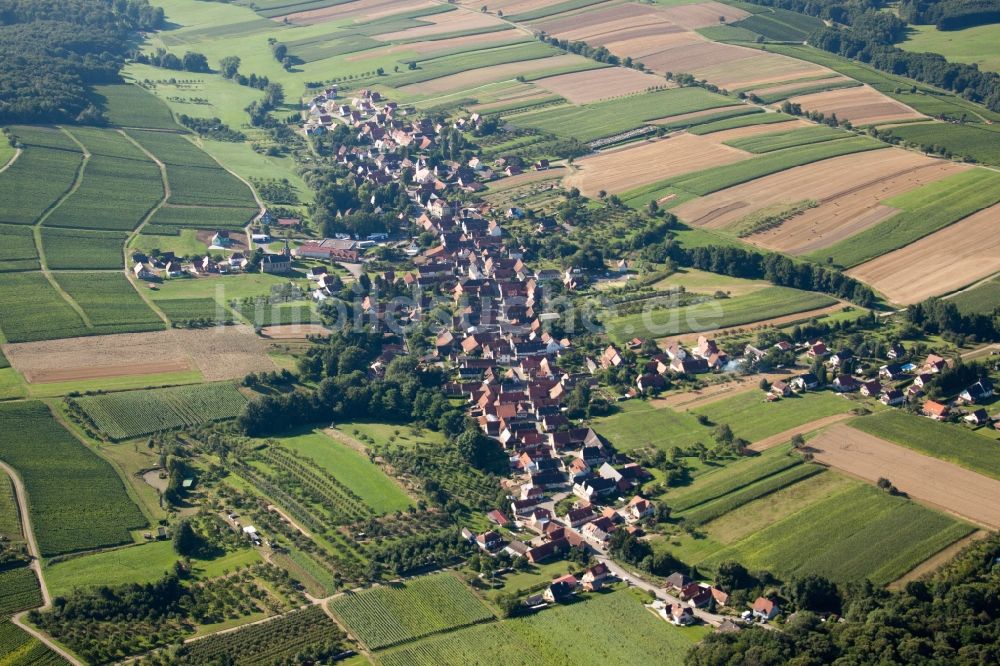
(593, 85)
(862, 106)
(949, 259)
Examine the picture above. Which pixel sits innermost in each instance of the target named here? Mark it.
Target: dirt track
(929, 480)
(782, 437)
(714, 392)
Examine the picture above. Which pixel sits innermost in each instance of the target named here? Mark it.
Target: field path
(135, 232)
(935, 562)
(935, 482)
(288, 519)
(782, 437)
(20, 495)
(17, 153)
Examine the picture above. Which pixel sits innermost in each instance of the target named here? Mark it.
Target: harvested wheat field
(753, 130)
(949, 259)
(360, 10)
(596, 84)
(849, 189)
(484, 75)
(223, 352)
(628, 14)
(635, 165)
(430, 47)
(702, 14)
(862, 106)
(442, 23)
(796, 85)
(511, 7)
(936, 482)
(756, 69)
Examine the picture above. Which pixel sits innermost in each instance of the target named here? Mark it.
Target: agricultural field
(308, 630)
(20, 591)
(395, 613)
(131, 106)
(598, 84)
(77, 501)
(780, 25)
(170, 220)
(753, 419)
(19, 647)
(27, 197)
(975, 142)
(949, 442)
(554, 637)
(982, 299)
(31, 309)
(855, 533)
(180, 310)
(924, 210)
(10, 522)
(978, 45)
(862, 106)
(76, 249)
(638, 425)
(109, 302)
(589, 122)
(740, 121)
(765, 143)
(361, 476)
(17, 248)
(194, 177)
(958, 255)
(714, 314)
(130, 414)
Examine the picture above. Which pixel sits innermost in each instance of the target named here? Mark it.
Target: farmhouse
(765, 609)
(978, 392)
(935, 410)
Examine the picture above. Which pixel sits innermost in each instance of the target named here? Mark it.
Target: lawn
(982, 299)
(77, 500)
(143, 563)
(753, 419)
(950, 442)
(600, 119)
(598, 628)
(355, 471)
(719, 313)
(923, 211)
(978, 45)
(856, 533)
(639, 425)
(380, 434)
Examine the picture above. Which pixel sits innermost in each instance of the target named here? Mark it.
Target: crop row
(129, 414)
(31, 309)
(391, 614)
(301, 632)
(34, 183)
(723, 505)
(17, 248)
(168, 220)
(20, 591)
(110, 302)
(76, 499)
(78, 249)
(334, 495)
(733, 477)
(17, 647)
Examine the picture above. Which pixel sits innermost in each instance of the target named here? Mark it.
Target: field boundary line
(37, 230)
(142, 223)
(17, 153)
(782, 437)
(21, 500)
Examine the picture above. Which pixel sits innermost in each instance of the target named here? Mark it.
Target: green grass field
(76, 499)
(941, 440)
(31, 309)
(978, 45)
(129, 414)
(924, 210)
(600, 119)
(110, 302)
(78, 249)
(598, 629)
(640, 425)
(757, 306)
(395, 613)
(857, 533)
(17, 248)
(723, 480)
(131, 106)
(753, 419)
(982, 299)
(355, 471)
(712, 180)
(765, 143)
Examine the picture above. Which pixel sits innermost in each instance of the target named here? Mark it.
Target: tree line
(55, 50)
(950, 14)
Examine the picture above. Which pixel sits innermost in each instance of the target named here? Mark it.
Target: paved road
(29, 534)
(659, 592)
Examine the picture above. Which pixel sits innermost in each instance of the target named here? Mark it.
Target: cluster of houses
(703, 357)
